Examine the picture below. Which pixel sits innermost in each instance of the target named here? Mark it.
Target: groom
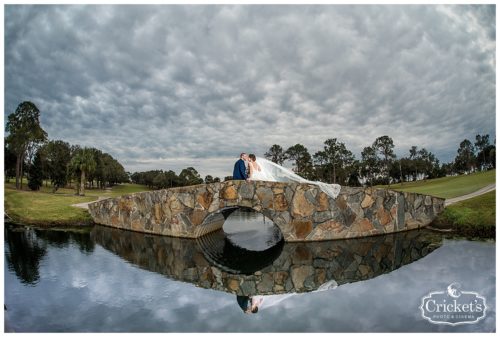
(240, 168)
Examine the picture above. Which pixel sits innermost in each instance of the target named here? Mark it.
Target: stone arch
(215, 220)
(302, 211)
(271, 199)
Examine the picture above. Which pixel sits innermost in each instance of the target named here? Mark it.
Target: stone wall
(302, 211)
(294, 267)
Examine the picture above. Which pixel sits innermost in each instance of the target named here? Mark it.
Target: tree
(406, 169)
(464, 161)
(146, 178)
(482, 142)
(276, 154)
(83, 162)
(160, 180)
(369, 163)
(301, 158)
(57, 155)
(209, 179)
(354, 169)
(9, 162)
(98, 173)
(25, 255)
(493, 153)
(173, 180)
(429, 164)
(322, 171)
(337, 158)
(413, 158)
(385, 146)
(189, 176)
(448, 169)
(73, 150)
(35, 174)
(396, 170)
(112, 171)
(25, 132)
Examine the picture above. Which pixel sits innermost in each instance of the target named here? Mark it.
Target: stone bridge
(302, 211)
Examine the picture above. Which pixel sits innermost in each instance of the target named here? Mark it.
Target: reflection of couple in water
(251, 304)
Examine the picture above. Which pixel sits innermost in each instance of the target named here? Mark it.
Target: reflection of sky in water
(250, 230)
(101, 292)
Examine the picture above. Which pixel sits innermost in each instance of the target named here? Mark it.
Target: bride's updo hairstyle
(252, 156)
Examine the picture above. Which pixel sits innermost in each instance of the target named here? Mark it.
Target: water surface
(110, 280)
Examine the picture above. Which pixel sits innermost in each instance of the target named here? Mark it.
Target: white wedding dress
(273, 172)
(260, 175)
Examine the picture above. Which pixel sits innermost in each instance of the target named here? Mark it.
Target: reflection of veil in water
(274, 172)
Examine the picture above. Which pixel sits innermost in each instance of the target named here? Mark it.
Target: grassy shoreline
(48, 209)
(475, 217)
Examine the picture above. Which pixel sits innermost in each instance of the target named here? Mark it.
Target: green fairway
(44, 207)
(117, 190)
(449, 187)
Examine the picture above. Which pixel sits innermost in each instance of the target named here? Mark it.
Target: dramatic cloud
(175, 86)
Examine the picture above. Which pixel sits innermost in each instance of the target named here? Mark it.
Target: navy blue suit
(240, 170)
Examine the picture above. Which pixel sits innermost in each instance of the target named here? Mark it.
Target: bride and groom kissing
(250, 167)
(247, 168)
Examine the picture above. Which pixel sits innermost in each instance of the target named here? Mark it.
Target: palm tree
(83, 162)
(413, 157)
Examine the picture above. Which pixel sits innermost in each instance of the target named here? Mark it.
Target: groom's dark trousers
(240, 170)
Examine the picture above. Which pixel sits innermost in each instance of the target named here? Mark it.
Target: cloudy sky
(166, 87)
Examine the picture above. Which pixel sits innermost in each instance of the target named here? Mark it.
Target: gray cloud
(164, 86)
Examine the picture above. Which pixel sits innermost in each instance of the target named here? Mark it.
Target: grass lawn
(46, 208)
(472, 217)
(448, 187)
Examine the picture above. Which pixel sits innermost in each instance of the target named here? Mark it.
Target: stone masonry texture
(302, 211)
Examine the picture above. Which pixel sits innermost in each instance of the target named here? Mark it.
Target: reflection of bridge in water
(215, 263)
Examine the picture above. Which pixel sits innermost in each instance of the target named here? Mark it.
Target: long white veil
(274, 172)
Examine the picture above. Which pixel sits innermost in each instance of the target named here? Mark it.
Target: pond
(110, 280)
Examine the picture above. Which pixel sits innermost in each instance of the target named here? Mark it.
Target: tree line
(335, 163)
(27, 146)
(61, 163)
(158, 179)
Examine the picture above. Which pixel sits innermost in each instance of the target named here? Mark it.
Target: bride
(256, 171)
(266, 170)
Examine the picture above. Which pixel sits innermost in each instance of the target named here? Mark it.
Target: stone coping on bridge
(302, 211)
